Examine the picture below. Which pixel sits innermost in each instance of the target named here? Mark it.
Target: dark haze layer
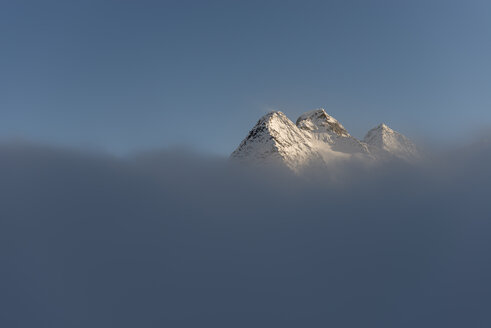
(179, 240)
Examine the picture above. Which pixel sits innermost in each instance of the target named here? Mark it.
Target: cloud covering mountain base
(181, 240)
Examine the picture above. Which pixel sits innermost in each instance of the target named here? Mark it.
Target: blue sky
(130, 75)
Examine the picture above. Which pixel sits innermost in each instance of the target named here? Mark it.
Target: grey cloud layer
(179, 240)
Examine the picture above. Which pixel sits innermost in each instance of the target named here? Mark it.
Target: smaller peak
(381, 127)
(318, 112)
(390, 142)
(318, 120)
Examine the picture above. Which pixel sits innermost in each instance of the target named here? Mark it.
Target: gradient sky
(129, 75)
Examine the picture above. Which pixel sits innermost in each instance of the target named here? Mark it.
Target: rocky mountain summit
(316, 139)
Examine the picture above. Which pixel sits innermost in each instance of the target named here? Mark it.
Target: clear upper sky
(128, 75)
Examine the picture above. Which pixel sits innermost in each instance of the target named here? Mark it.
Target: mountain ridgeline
(318, 139)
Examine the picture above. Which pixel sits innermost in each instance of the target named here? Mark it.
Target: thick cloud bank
(178, 240)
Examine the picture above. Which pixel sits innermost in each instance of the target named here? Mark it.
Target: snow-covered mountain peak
(380, 135)
(331, 134)
(318, 120)
(275, 138)
(385, 140)
(317, 138)
(383, 127)
(274, 118)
